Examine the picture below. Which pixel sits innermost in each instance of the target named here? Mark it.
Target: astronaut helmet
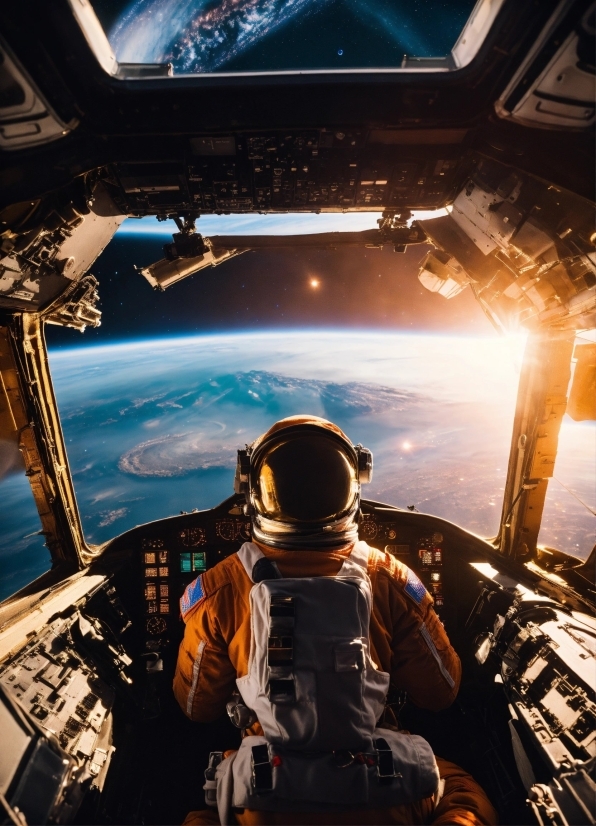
(301, 481)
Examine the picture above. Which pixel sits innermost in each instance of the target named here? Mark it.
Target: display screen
(193, 561)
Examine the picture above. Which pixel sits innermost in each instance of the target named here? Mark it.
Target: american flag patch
(414, 588)
(192, 596)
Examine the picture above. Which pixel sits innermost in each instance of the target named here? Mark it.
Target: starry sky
(355, 288)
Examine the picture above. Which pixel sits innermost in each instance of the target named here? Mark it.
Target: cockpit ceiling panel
(339, 169)
(85, 75)
(400, 122)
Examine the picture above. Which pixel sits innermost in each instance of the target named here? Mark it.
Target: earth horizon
(152, 428)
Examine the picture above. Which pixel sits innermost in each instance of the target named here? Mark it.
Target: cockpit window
(569, 517)
(23, 555)
(157, 432)
(248, 36)
(155, 403)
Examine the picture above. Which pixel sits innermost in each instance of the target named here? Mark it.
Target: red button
(276, 760)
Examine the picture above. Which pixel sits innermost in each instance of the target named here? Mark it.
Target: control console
(546, 660)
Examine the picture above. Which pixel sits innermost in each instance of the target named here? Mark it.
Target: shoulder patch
(191, 597)
(414, 588)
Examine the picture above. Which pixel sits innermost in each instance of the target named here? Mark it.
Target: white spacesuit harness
(317, 694)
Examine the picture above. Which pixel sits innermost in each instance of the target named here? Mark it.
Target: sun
(314, 283)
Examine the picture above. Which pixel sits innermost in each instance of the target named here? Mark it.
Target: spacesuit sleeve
(205, 677)
(421, 659)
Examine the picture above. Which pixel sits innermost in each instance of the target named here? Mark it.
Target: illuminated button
(438, 556)
(439, 601)
(165, 571)
(149, 572)
(163, 557)
(152, 607)
(150, 591)
(164, 607)
(185, 563)
(426, 557)
(152, 544)
(164, 590)
(150, 559)
(435, 576)
(199, 561)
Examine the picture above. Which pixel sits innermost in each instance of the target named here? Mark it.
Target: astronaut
(302, 483)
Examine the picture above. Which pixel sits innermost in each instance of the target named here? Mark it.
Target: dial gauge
(156, 625)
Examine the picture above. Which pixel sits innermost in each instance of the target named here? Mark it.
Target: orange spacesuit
(407, 640)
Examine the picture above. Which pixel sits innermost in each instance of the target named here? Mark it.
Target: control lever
(154, 662)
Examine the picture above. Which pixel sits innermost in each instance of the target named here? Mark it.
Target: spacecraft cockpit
(498, 135)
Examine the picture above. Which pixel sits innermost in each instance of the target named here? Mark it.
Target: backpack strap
(249, 554)
(356, 565)
(257, 566)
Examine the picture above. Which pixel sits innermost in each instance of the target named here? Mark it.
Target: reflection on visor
(306, 479)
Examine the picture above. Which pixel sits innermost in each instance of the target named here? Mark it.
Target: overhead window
(271, 36)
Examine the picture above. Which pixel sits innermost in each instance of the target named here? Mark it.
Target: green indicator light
(199, 561)
(185, 566)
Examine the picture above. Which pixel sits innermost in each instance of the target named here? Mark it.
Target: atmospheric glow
(297, 223)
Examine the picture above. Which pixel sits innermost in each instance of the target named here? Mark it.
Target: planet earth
(152, 429)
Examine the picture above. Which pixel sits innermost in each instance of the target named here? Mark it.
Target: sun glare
(314, 283)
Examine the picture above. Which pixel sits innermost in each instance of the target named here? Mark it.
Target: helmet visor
(309, 478)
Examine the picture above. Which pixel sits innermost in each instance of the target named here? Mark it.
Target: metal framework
(29, 418)
(541, 405)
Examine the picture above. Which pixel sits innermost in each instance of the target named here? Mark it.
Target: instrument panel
(164, 557)
(170, 561)
(423, 553)
(339, 169)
